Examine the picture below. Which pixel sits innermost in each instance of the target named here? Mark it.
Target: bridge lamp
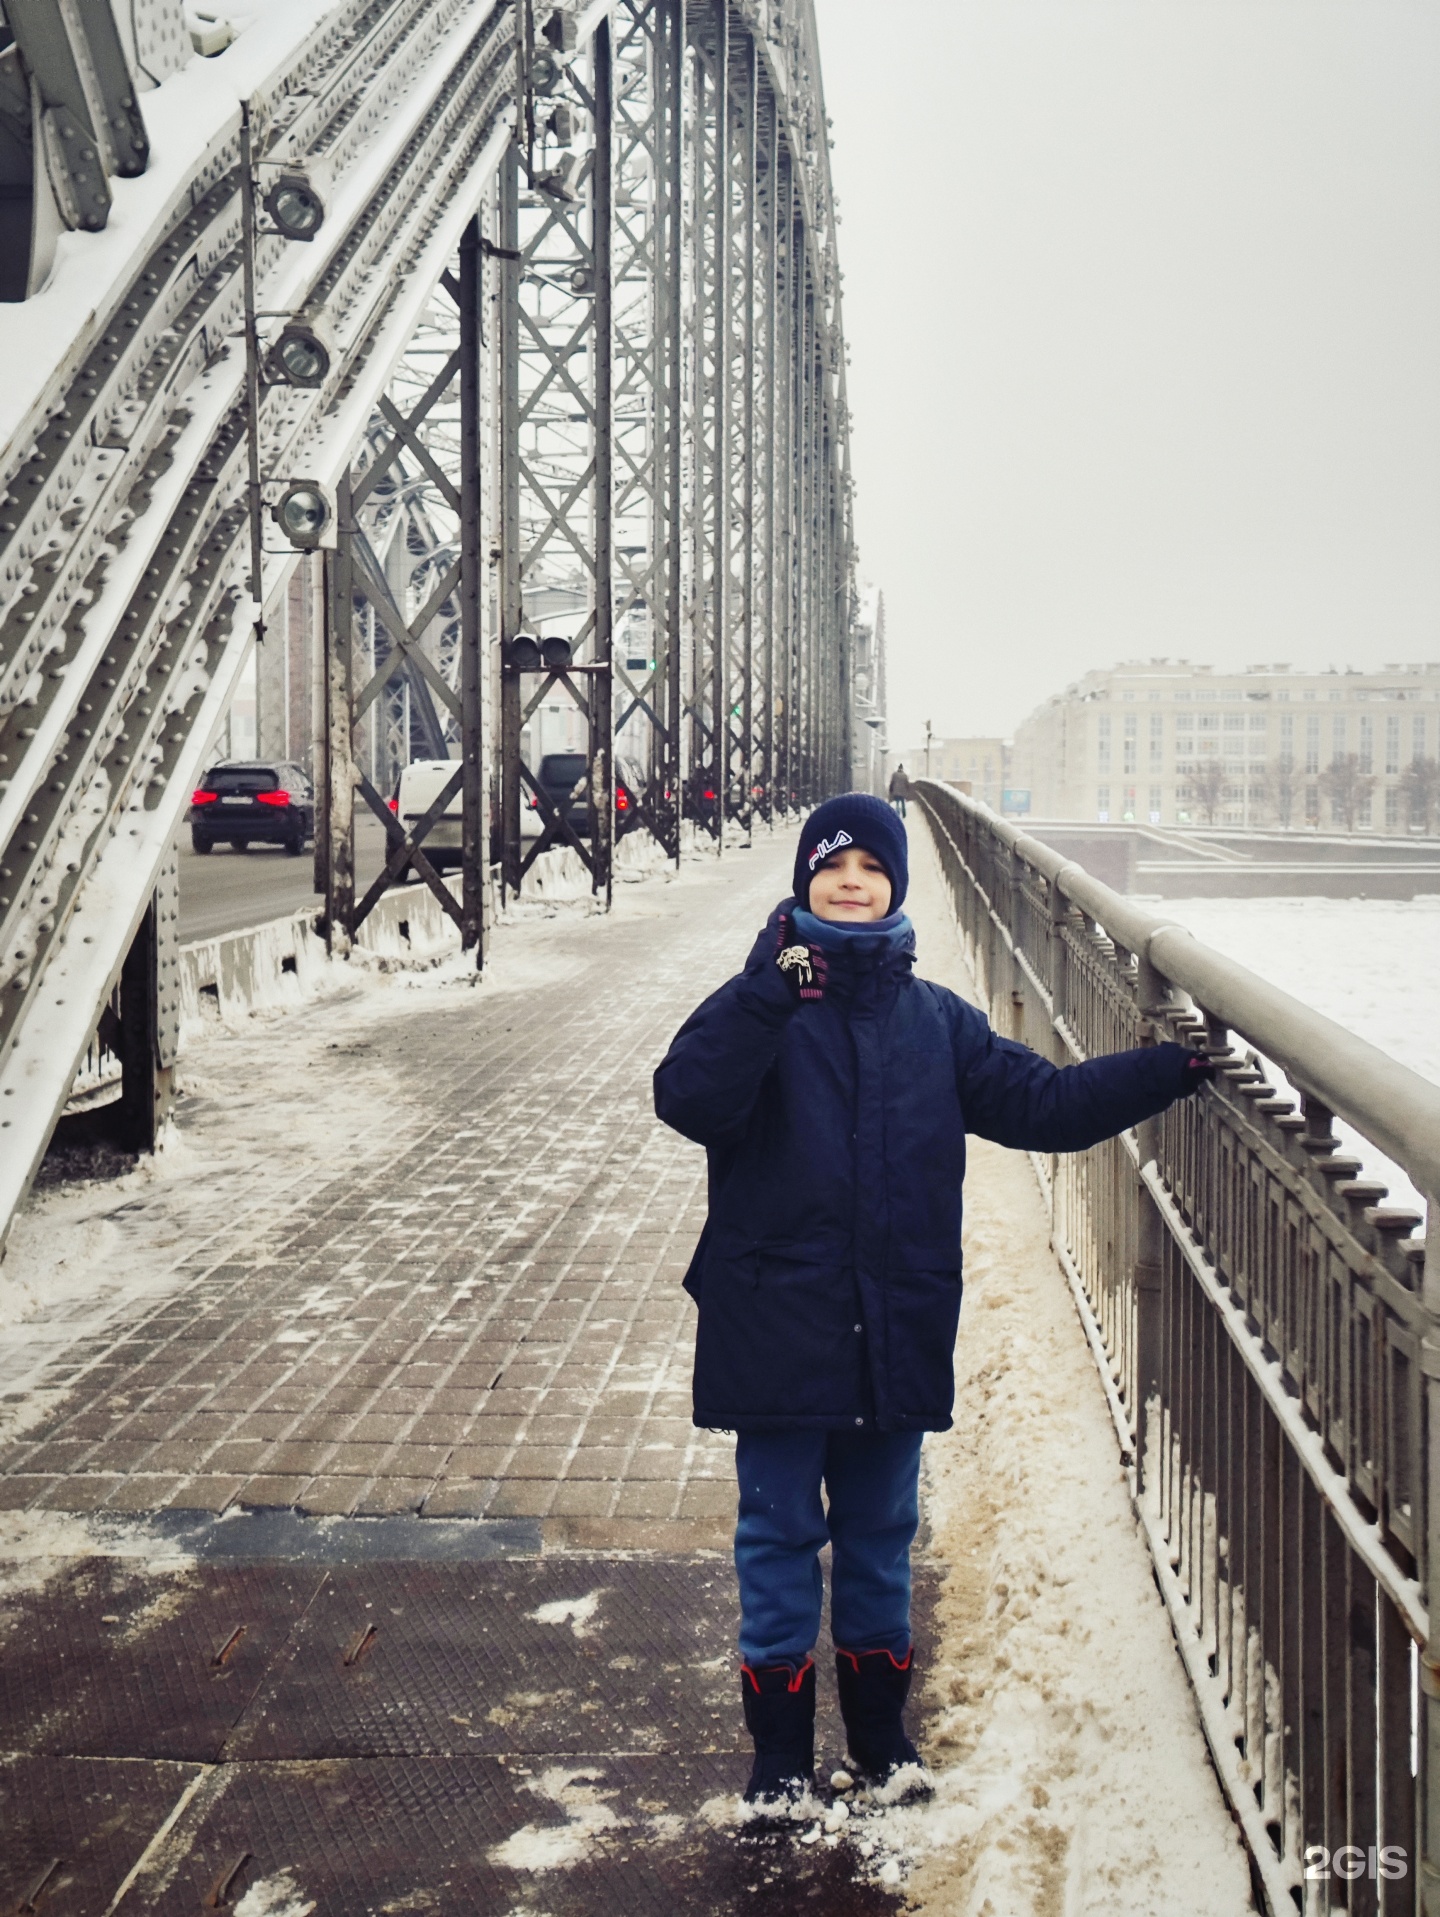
(295, 207)
(525, 652)
(304, 514)
(556, 653)
(545, 72)
(300, 357)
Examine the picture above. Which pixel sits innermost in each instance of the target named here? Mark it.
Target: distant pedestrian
(832, 1090)
(899, 789)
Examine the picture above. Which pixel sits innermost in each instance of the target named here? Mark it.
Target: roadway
(227, 890)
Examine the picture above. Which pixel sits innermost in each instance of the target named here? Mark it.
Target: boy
(832, 1090)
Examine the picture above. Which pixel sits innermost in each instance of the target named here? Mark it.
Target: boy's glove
(1197, 1070)
(802, 966)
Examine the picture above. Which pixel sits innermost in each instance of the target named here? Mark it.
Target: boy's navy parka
(828, 1272)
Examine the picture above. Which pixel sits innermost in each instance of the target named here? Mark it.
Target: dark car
(564, 780)
(253, 801)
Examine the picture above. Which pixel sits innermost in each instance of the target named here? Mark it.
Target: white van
(421, 783)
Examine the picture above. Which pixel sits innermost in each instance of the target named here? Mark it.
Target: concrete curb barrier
(283, 961)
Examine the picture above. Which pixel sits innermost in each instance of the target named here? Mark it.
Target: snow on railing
(1264, 1330)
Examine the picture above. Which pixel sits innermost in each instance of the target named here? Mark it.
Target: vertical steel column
(710, 334)
(671, 194)
(739, 711)
(644, 196)
(150, 1018)
(765, 381)
(474, 824)
(602, 204)
(786, 488)
(340, 755)
(718, 411)
(318, 582)
(507, 349)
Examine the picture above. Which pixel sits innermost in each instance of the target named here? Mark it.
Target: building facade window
(1367, 745)
(1102, 804)
(1155, 801)
(1131, 747)
(1392, 805)
(1417, 736)
(1337, 734)
(1102, 744)
(1392, 743)
(1312, 745)
(1157, 741)
(1362, 811)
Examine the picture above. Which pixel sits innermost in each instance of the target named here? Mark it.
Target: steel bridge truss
(584, 389)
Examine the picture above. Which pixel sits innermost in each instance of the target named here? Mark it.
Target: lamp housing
(301, 356)
(297, 210)
(305, 514)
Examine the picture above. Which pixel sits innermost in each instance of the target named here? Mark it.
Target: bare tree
(1283, 782)
(1420, 782)
(1207, 787)
(1345, 785)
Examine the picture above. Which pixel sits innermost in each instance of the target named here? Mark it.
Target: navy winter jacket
(828, 1272)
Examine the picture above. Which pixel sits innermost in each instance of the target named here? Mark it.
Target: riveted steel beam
(648, 465)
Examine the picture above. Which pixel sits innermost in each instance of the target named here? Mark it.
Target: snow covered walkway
(394, 1329)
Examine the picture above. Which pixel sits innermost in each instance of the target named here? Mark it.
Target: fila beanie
(855, 818)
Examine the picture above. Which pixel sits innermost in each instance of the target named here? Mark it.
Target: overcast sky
(1143, 309)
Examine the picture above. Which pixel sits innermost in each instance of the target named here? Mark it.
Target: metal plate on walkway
(556, 1735)
(455, 1837)
(74, 1827)
(547, 1655)
(109, 1660)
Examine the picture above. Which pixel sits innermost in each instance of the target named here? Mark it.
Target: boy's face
(850, 887)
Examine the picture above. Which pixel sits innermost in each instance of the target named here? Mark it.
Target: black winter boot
(779, 1706)
(873, 1689)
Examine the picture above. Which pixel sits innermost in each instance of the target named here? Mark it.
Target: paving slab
(418, 1593)
(459, 1312)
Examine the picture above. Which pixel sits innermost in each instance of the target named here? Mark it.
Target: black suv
(252, 800)
(563, 781)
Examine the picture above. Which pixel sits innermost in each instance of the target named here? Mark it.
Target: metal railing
(1266, 1329)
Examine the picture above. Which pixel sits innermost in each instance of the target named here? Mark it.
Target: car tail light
(622, 800)
(203, 798)
(272, 798)
(708, 793)
(394, 804)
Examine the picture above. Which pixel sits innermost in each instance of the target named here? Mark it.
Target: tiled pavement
(472, 1309)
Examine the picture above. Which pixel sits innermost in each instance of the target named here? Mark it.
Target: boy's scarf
(879, 938)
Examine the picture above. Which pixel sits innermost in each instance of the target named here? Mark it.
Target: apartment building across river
(1170, 743)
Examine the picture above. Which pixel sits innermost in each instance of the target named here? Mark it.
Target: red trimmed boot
(873, 1690)
(779, 1706)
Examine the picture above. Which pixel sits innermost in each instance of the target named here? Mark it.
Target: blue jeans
(872, 1479)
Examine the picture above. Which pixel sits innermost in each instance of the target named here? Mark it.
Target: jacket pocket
(922, 1316)
(777, 1339)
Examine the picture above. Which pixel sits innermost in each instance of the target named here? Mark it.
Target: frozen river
(1373, 965)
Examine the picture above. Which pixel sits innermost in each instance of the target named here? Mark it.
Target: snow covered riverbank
(1373, 965)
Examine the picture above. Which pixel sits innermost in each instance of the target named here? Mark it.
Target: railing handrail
(1393, 1106)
